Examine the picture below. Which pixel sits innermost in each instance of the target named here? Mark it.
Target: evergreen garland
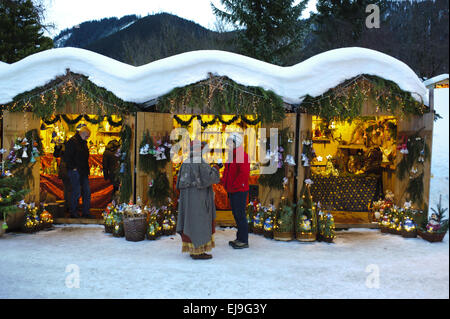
(44, 101)
(93, 120)
(346, 100)
(55, 119)
(71, 121)
(114, 124)
(220, 95)
(125, 165)
(215, 119)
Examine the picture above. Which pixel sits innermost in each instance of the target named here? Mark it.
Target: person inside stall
(76, 156)
(62, 172)
(111, 165)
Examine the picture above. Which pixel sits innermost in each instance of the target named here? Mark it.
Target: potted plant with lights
(283, 228)
(437, 226)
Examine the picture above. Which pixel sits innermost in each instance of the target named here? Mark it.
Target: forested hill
(138, 41)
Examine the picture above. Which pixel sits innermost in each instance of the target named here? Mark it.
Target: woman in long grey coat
(196, 208)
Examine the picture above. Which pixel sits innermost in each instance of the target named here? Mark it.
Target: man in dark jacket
(235, 181)
(111, 165)
(76, 157)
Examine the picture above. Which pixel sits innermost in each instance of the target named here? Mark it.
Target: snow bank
(439, 160)
(140, 84)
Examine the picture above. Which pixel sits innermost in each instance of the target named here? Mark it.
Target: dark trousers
(79, 186)
(238, 203)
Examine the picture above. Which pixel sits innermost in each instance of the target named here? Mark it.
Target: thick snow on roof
(436, 79)
(140, 84)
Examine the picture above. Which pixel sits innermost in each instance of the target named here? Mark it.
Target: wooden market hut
(221, 88)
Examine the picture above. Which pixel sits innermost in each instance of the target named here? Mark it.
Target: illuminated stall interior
(215, 134)
(352, 160)
(61, 129)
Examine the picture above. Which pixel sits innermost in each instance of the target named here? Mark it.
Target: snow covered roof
(435, 79)
(140, 84)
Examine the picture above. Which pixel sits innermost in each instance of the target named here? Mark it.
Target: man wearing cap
(235, 181)
(76, 157)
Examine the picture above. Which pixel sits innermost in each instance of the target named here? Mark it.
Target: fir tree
(21, 30)
(268, 30)
(340, 23)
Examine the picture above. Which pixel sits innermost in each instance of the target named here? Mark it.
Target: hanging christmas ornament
(24, 154)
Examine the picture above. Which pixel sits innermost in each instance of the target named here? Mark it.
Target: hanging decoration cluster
(278, 180)
(346, 100)
(219, 95)
(153, 158)
(70, 89)
(415, 152)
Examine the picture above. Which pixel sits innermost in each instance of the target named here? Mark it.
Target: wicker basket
(306, 237)
(135, 228)
(283, 236)
(409, 234)
(431, 237)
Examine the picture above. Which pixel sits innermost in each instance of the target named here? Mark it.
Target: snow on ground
(313, 76)
(34, 266)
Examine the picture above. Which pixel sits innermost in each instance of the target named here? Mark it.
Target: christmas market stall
(53, 113)
(327, 138)
(364, 139)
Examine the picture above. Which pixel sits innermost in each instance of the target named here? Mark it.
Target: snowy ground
(34, 266)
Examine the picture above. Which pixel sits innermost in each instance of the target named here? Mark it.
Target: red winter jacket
(236, 174)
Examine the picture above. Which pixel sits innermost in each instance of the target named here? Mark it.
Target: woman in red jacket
(235, 181)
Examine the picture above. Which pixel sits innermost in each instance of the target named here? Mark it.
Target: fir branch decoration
(125, 165)
(220, 95)
(158, 192)
(44, 101)
(346, 100)
(284, 220)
